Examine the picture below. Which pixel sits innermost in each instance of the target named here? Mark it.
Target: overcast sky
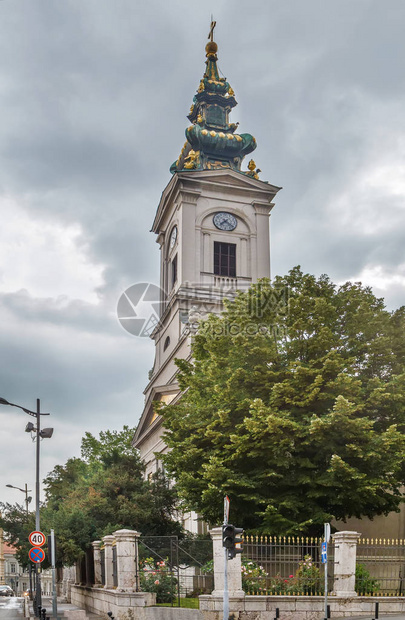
(93, 102)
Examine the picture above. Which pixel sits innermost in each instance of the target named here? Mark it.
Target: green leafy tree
(17, 527)
(294, 406)
(101, 492)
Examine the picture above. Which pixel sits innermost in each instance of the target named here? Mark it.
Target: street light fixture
(26, 491)
(45, 433)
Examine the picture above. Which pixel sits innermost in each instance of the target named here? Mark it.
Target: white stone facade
(188, 205)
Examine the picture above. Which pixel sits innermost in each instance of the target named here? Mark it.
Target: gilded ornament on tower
(190, 162)
(252, 171)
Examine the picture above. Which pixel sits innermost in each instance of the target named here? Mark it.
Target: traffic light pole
(226, 590)
(54, 599)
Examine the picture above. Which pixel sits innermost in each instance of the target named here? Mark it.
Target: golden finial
(231, 92)
(201, 87)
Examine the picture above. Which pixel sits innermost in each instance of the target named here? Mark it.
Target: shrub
(364, 584)
(307, 579)
(254, 577)
(156, 577)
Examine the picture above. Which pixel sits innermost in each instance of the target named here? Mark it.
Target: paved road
(11, 608)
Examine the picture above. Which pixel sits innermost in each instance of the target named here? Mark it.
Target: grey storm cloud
(94, 96)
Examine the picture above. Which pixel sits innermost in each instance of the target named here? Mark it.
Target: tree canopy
(91, 496)
(293, 406)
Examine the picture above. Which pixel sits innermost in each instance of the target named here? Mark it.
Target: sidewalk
(62, 607)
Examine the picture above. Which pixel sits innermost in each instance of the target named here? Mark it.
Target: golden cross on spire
(211, 32)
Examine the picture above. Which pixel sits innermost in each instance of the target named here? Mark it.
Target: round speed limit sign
(37, 539)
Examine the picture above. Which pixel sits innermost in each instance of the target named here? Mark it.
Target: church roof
(212, 142)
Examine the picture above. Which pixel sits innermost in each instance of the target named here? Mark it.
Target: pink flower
(157, 582)
(291, 576)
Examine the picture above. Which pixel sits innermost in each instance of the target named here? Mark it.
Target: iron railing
(380, 567)
(175, 569)
(285, 565)
(114, 566)
(102, 561)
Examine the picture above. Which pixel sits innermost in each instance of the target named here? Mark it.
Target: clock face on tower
(173, 237)
(225, 221)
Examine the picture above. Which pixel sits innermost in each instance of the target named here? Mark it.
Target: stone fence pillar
(97, 562)
(345, 563)
(108, 561)
(127, 560)
(234, 568)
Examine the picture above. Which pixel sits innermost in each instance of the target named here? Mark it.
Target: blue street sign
(36, 554)
(324, 552)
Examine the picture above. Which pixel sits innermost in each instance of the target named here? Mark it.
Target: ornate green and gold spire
(212, 143)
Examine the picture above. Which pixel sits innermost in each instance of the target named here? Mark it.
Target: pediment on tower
(189, 186)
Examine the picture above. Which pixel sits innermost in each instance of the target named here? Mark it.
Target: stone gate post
(345, 563)
(127, 560)
(108, 561)
(97, 562)
(234, 568)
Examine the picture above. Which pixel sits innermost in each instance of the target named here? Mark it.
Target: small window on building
(166, 344)
(174, 270)
(12, 568)
(225, 259)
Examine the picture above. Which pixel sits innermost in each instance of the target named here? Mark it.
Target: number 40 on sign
(37, 539)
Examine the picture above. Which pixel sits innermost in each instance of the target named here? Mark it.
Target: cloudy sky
(93, 101)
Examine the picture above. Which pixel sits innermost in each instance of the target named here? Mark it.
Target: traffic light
(230, 540)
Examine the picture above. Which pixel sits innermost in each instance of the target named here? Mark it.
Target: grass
(188, 603)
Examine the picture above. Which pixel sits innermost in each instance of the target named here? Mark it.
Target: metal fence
(114, 566)
(380, 567)
(102, 562)
(175, 569)
(285, 565)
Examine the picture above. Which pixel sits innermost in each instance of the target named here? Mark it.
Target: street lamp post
(26, 491)
(40, 434)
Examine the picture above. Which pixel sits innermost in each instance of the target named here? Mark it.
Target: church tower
(212, 226)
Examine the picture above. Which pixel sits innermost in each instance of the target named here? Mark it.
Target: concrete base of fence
(299, 607)
(101, 600)
(75, 614)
